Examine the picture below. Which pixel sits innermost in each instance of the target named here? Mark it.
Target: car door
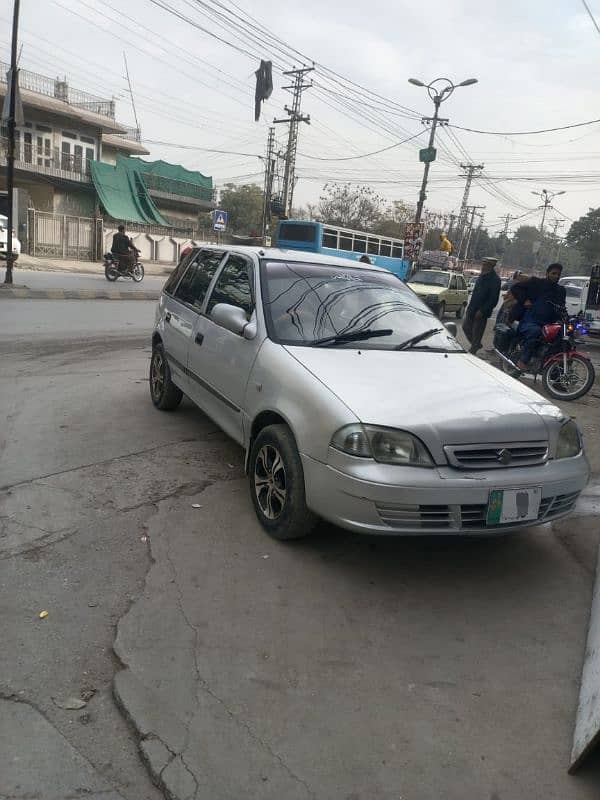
(463, 292)
(452, 301)
(183, 302)
(221, 361)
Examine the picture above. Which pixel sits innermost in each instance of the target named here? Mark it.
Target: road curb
(24, 293)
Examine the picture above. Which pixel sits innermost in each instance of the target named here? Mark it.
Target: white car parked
(353, 402)
(16, 244)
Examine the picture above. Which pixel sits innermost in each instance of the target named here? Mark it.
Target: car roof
(283, 254)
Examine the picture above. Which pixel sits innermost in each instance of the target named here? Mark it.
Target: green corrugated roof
(173, 172)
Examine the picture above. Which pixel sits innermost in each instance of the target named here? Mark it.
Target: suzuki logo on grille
(504, 457)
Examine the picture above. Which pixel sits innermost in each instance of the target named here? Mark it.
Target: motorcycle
(566, 373)
(113, 269)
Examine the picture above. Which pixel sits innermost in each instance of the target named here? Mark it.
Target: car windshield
(430, 278)
(306, 303)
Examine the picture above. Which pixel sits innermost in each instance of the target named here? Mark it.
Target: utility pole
(268, 187)
(434, 121)
(469, 172)
(507, 220)
(558, 223)
(294, 118)
(473, 210)
(477, 235)
(11, 124)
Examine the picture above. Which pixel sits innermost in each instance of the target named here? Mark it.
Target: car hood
(425, 288)
(444, 399)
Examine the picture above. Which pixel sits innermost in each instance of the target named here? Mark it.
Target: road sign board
(220, 223)
(427, 155)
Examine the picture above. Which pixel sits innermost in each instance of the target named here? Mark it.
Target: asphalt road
(39, 280)
(337, 668)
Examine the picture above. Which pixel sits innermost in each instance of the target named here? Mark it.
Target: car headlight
(431, 298)
(387, 445)
(569, 441)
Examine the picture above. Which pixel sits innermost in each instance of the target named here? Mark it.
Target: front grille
(497, 456)
(469, 517)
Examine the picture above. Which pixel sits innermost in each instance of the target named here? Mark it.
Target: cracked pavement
(227, 665)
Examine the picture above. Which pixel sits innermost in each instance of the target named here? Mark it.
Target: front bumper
(364, 496)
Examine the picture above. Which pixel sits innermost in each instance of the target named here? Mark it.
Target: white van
(16, 244)
(583, 296)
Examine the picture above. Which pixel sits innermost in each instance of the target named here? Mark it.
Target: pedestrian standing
(483, 302)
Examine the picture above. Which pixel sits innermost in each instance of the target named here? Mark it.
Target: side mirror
(451, 328)
(232, 318)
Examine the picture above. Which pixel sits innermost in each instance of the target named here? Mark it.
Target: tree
(350, 206)
(584, 234)
(394, 218)
(244, 206)
(520, 250)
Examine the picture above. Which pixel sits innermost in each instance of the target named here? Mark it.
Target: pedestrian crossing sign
(220, 223)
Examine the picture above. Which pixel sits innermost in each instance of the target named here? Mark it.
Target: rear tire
(442, 311)
(164, 393)
(552, 373)
(110, 273)
(276, 481)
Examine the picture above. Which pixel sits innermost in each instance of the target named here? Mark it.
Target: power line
(527, 133)
(592, 17)
(364, 155)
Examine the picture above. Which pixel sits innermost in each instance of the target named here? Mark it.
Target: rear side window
(174, 277)
(461, 282)
(297, 233)
(234, 285)
(200, 272)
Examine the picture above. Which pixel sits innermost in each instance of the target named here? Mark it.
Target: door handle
(199, 338)
(168, 316)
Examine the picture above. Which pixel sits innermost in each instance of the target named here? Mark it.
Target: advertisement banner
(413, 240)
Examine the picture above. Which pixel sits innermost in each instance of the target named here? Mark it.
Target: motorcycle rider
(124, 249)
(537, 302)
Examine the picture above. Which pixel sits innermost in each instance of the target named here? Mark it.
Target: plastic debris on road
(196, 505)
(43, 614)
(69, 703)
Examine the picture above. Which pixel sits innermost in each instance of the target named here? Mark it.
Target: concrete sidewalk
(25, 293)
(27, 262)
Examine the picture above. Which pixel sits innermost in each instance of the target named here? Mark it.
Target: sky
(193, 85)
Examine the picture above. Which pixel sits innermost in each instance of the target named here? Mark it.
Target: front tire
(578, 381)
(441, 310)
(165, 395)
(276, 482)
(137, 273)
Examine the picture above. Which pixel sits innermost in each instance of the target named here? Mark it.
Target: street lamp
(439, 90)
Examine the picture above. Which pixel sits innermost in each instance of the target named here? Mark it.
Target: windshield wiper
(352, 336)
(419, 338)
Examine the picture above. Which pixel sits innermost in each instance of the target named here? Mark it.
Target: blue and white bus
(316, 237)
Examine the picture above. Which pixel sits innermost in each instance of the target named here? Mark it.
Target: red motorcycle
(567, 373)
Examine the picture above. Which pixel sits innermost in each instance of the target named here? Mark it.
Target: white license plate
(513, 505)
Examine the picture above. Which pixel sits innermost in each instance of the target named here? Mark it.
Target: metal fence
(62, 236)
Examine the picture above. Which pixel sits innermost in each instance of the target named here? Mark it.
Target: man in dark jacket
(483, 302)
(540, 301)
(124, 249)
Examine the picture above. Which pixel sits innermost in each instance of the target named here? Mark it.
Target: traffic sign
(220, 223)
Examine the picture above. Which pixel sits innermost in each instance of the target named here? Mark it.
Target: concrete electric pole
(473, 210)
(294, 119)
(268, 186)
(439, 90)
(469, 172)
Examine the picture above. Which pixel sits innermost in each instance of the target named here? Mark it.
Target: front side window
(305, 302)
(234, 285)
(199, 273)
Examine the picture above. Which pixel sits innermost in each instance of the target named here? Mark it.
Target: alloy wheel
(157, 375)
(270, 482)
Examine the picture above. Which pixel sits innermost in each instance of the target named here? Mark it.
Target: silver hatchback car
(353, 402)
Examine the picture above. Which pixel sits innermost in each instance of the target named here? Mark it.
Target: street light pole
(439, 90)
(11, 124)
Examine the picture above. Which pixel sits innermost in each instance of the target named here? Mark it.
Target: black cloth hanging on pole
(264, 86)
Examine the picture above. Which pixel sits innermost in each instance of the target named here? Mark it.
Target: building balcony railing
(48, 162)
(40, 84)
(175, 188)
(133, 134)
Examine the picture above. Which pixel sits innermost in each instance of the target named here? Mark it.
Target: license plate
(513, 505)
